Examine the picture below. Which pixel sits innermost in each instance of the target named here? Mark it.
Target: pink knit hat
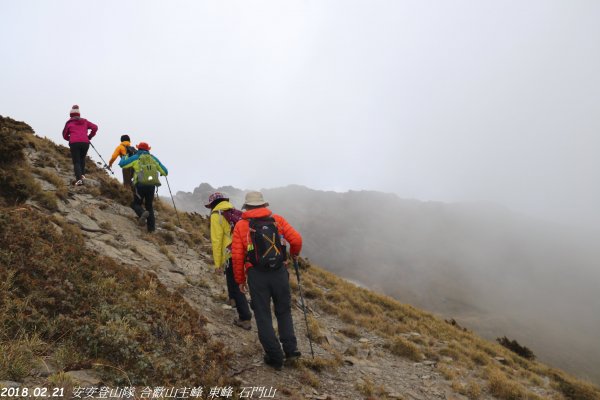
(75, 111)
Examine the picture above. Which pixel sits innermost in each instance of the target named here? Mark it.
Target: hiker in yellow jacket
(124, 150)
(223, 217)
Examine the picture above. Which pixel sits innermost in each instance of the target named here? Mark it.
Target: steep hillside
(493, 270)
(87, 298)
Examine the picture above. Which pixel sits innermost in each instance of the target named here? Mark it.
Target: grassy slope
(58, 299)
(63, 301)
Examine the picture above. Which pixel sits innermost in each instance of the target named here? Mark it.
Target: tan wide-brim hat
(255, 199)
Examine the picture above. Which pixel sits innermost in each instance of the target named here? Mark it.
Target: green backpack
(148, 171)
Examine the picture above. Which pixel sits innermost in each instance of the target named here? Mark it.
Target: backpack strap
(220, 215)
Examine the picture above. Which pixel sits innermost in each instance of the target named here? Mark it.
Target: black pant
(78, 152)
(241, 303)
(144, 194)
(264, 286)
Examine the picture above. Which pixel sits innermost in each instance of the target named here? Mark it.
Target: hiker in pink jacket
(76, 132)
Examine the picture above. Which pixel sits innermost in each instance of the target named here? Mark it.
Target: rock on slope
(366, 345)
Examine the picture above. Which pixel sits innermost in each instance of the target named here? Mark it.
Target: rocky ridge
(351, 360)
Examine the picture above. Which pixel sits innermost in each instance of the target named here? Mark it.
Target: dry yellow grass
(309, 378)
(403, 348)
(319, 364)
(350, 331)
(314, 330)
(471, 389)
(61, 188)
(18, 356)
(366, 387)
(507, 389)
(165, 250)
(447, 371)
(61, 380)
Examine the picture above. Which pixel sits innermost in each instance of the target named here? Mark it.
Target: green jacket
(133, 162)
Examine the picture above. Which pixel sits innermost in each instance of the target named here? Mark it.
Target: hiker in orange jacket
(124, 150)
(266, 283)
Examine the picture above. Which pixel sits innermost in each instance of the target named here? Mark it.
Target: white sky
(436, 100)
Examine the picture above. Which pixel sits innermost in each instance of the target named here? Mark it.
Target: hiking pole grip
(108, 168)
(297, 268)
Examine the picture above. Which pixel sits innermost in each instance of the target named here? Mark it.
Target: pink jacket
(76, 130)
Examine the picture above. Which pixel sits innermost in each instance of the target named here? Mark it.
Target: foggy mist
(485, 113)
(445, 100)
(495, 271)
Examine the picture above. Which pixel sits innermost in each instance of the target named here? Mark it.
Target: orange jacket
(241, 237)
(121, 150)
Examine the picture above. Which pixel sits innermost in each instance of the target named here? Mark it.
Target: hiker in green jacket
(146, 169)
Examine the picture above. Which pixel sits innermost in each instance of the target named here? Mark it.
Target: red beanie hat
(75, 111)
(143, 146)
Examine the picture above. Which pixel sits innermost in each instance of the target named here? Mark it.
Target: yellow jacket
(121, 150)
(220, 234)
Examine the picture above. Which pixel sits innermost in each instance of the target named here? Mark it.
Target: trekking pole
(105, 164)
(173, 200)
(312, 353)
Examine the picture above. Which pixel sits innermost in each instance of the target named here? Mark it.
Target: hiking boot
(277, 365)
(79, 183)
(293, 356)
(247, 325)
(143, 218)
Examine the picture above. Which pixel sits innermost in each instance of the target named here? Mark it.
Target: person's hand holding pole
(244, 287)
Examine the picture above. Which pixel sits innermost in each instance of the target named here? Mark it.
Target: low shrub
(516, 348)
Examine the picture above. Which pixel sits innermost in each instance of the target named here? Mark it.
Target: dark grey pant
(144, 195)
(264, 286)
(78, 152)
(241, 303)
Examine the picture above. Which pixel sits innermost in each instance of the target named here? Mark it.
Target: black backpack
(130, 150)
(268, 251)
